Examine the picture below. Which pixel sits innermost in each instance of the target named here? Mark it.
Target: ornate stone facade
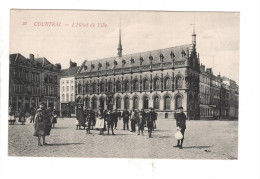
(162, 79)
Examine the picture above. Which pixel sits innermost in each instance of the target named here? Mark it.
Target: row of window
(67, 88)
(68, 97)
(50, 79)
(93, 104)
(125, 86)
(50, 91)
(204, 79)
(26, 89)
(25, 75)
(67, 81)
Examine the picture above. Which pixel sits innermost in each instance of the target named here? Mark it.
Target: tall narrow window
(94, 86)
(110, 87)
(179, 82)
(156, 84)
(136, 85)
(118, 103)
(94, 103)
(126, 101)
(167, 103)
(178, 102)
(79, 88)
(156, 102)
(118, 86)
(145, 102)
(102, 87)
(127, 87)
(135, 102)
(146, 85)
(167, 83)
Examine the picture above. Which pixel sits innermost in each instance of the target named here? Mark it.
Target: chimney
(58, 65)
(209, 70)
(31, 57)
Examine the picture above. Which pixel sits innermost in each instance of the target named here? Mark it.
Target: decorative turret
(119, 49)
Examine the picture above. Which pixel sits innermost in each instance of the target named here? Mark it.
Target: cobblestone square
(203, 140)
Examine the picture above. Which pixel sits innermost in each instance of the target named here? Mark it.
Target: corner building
(163, 79)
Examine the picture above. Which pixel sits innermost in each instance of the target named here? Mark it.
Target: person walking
(89, 120)
(22, 115)
(133, 120)
(42, 125)
(54, 117)
(115, 117)
(100, 123)
(150, 123)
(181, 125)
(126, 115)
(154, 118)
(141, 118)
(110, 121)
(80, 117)
(32, 112)
(11, 117)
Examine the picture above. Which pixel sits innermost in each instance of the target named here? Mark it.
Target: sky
(217, 35)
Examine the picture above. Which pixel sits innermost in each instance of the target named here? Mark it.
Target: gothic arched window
(94, 103)
(110, 86)
(118, 86)
(167, 83)
(87, 102)
(178, 102)
(127, 86)
(126, 103)
(87, 88)
(179, 82)
(94, 86)
(135, 102)
(118, 103)
(102, 87)
(167, 103)
(156, 84)
(146, 85)
(156, 102)
(145, 102)
(136, 85)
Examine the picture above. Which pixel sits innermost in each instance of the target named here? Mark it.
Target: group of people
(103, 120)
(45, 119)
(22, 114)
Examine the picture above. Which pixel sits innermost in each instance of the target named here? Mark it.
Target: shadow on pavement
(60, 128)
(65, 144)
(197, 147)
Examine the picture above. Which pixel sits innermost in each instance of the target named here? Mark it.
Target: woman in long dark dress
(42, 124)
(81, 117)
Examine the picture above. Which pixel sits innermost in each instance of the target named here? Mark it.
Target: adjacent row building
(33, 80)
(163, 79)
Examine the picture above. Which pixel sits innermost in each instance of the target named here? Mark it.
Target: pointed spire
(194, 34)
(119, 49)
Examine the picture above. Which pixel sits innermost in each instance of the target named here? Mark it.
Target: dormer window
(115, 63)
(132, 61)
(141, 60)
(92, 66)
(123, 62)
(172, 55)
(99, 65)
(161, 57)
(150, 57)
(107, 64)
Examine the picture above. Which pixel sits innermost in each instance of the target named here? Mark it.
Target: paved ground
(203, 140)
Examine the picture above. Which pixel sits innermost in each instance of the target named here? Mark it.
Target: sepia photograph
(124, 84)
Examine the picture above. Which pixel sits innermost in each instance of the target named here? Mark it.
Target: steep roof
(70, 71)
(132, 60)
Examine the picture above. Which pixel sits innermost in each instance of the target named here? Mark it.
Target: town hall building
(163, 79)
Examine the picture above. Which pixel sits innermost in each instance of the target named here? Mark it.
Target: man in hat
(126, 115)
(154, 118)
(150, 122)
(42, 125)
(181, 124)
